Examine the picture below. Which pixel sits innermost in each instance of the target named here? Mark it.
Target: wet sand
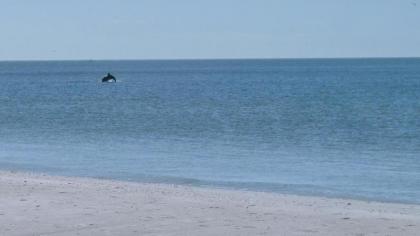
(36, 204)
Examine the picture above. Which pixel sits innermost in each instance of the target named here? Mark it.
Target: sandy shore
(33, 204)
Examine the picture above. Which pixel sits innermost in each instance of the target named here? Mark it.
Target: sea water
(325, 127)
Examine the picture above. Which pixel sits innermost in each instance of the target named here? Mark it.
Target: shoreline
(40, 204)
(203, 184)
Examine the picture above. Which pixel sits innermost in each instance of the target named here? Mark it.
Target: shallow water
(345, 127)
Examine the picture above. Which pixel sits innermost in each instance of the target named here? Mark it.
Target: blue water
(339, 128)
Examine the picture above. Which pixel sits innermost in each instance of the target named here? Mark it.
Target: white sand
(32, 204)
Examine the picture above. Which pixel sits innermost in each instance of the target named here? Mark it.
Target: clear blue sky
(157, 29)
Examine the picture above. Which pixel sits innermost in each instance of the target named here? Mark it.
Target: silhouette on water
(109, 78)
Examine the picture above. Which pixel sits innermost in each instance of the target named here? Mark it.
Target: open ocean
(324, 127)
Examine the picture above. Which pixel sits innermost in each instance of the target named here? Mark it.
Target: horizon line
(210, 59)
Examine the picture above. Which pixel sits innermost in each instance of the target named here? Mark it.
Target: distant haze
(186, 29)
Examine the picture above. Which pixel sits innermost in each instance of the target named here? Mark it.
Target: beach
(127, 118)
(38, 204)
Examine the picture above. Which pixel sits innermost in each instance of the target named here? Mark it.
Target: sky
(199, 29)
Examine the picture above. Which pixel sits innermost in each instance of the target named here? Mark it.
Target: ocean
(321, 127)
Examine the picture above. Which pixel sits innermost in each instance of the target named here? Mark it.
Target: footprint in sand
(309, 231)
(249, 227)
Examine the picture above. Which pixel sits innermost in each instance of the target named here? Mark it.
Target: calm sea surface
(342, 128)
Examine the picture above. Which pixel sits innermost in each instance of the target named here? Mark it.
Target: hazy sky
(154, 29)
